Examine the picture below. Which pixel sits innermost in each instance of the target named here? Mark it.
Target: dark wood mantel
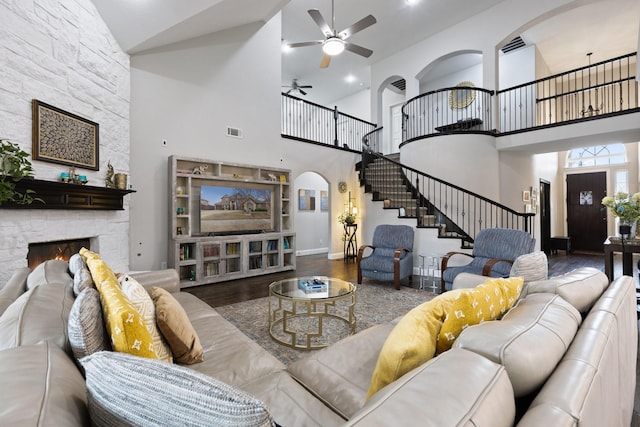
(59, 195)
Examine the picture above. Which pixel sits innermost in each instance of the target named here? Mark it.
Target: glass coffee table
(300, 306)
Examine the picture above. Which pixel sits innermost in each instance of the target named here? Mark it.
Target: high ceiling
(607, 28)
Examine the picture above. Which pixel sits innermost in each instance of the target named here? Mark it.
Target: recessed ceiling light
(350, 78)
(412, 1)
(285, 47)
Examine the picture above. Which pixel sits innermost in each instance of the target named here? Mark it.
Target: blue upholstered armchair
(389, 257)
(494, 251)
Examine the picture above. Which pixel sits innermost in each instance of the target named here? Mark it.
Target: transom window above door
(599, 155)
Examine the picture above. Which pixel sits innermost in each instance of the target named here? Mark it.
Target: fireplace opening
(61, 249)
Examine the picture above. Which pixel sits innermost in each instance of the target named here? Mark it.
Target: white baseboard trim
(312, 251)
(336, 255)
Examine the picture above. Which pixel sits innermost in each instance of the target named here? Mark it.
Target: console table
(350, 241)
(628, 247)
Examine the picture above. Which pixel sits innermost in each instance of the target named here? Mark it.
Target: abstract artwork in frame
(64, 138)
(324, 200)
(306, 200)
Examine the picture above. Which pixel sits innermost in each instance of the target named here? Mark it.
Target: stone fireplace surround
(88, 75)
(108, 232)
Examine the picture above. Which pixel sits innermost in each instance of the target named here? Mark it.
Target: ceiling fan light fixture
(333, 46)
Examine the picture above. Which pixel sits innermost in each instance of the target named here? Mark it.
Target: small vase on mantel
(627, 228)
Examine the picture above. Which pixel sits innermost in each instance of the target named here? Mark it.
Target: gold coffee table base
(298, 304)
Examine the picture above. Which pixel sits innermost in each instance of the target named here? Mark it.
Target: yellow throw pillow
(125, 326)
(412, 341)
(488, 301)
(142, 301)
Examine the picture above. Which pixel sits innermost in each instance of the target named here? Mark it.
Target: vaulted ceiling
(608, 28)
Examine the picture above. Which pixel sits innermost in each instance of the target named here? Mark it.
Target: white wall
(312, 227)
(62, 53)
(468, 161)
(518, 67)
(187, 94)
(357, 105)
(472, 74)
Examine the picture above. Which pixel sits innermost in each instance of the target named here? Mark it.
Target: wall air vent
(514, 44)
(400, 85)
(234, 132)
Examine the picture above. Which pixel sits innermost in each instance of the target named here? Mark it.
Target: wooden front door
(586, 220)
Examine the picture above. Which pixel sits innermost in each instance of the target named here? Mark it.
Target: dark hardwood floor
(225, 293)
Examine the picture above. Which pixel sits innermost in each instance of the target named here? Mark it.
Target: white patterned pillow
(141, 300)
(87, 333)
(82, 280)
(531, 267)
(128, 390)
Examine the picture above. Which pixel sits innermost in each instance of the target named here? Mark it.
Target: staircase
(388, 184)
(456, 213)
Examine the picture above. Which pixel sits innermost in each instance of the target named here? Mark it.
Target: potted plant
(627, 208)
(347, 218)
(14, 166)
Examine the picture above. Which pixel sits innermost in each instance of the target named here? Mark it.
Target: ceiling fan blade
(303, 44)
(326, 59)
(289, 91)
(302, 92)
(306, 87)
(365, 22)
(320, 22)
(362, 51)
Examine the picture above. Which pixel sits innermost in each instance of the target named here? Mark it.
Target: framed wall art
(324, 200)
(64, 138)
(306, 200)
(462, 97)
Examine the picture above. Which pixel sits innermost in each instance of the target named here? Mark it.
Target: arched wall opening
(312, 212)
(390, 97)
(451, 69)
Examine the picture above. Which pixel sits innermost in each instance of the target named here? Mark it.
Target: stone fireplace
(59, 249)
(107, 231)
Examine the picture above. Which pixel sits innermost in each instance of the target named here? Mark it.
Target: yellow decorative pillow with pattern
(125, 326)
(488, 301)
(412, 341)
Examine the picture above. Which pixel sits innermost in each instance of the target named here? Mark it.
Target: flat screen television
(235, 209)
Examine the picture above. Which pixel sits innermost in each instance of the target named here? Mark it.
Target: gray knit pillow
(123, 389)
(533, 266)
(87, 333)
(82, 280)
(76, 262)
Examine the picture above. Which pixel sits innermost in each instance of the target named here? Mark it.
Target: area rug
(376, 303)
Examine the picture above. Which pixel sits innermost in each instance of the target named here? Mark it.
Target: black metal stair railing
(456, 212)
(309, 122)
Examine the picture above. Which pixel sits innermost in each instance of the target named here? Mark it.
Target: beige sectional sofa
(564, 355)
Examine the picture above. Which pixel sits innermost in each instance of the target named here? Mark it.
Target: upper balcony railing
(595, 91)
(306, 121)
(606, 88)
(448, 110)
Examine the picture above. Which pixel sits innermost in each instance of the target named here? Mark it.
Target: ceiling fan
(335, 42)
(296, 87)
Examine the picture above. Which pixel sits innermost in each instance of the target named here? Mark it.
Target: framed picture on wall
(306, 200)
(64, 138)
(324, 200)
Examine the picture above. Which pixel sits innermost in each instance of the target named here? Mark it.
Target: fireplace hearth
(60, 249)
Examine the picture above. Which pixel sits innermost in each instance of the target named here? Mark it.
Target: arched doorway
(312, 210)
